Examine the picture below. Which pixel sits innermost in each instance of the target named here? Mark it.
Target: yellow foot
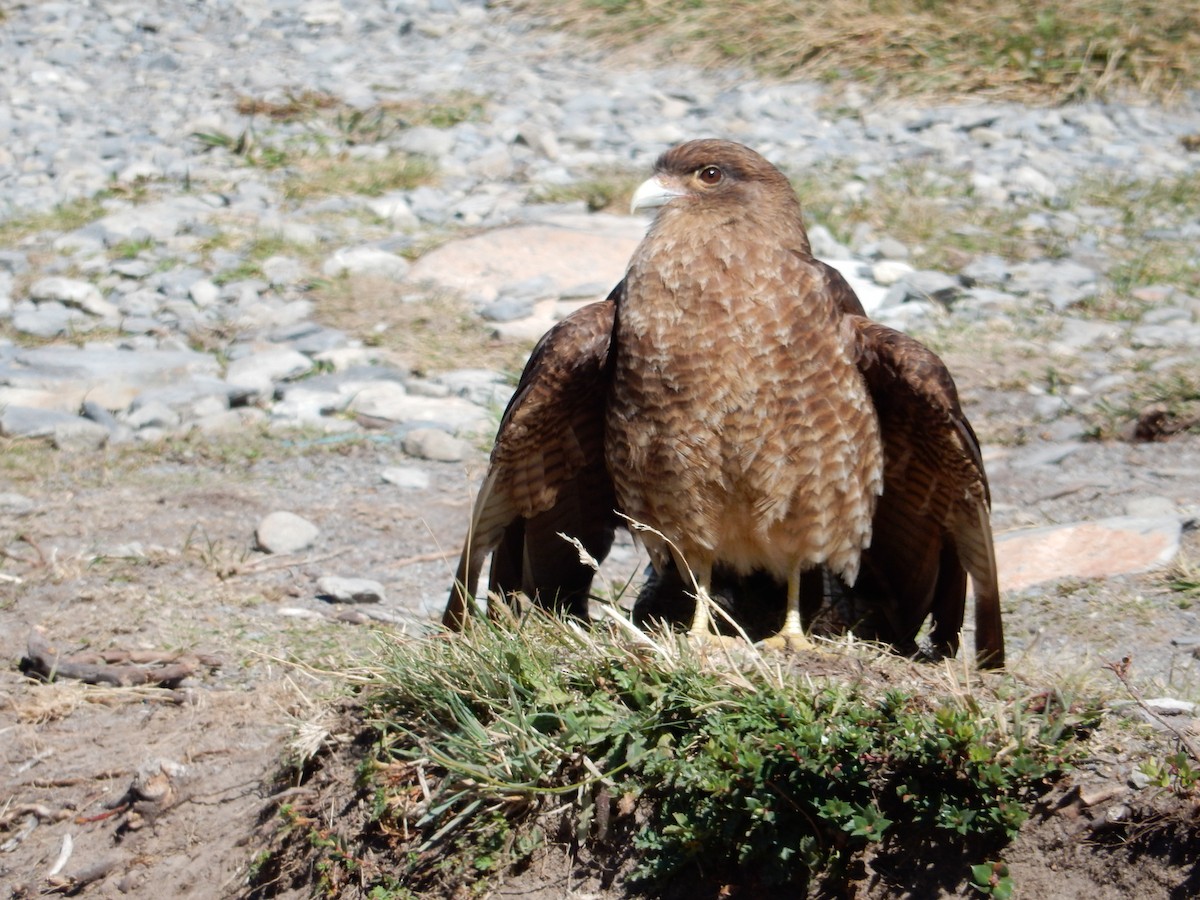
(792, 641)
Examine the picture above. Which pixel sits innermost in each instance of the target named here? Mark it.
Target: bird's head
(720, 180)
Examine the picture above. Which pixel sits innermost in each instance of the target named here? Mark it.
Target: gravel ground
(219, 300)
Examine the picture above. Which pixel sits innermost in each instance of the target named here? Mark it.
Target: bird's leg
(791, 636)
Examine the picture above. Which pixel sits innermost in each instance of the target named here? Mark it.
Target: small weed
(432, 334)
(1176, 772)
(443, 111)
(1156, 405)
(245, 145)
(992, 879)
(1183, 579)
(612, 194)
(130, 249)
(64, 217)
(294, 107)
(313, 177)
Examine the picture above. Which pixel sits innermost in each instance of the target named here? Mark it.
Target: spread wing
(547, 474)
(932, 524)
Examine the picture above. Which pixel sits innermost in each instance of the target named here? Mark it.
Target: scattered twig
(1121, 670)
(431, 556)
(73, 884)
(33, 761)
(31, 823)
(271, 563)
(101, 816)
(43, 812)
(45, 661)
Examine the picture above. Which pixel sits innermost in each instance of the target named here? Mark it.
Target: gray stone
(204, 293)
(1152, 508)
(924, 285)
(1171, 706)
(506, 309)
(80, 434)
(434, 444)
(49, 319)
(285, 532)
(187, 394)
(1029, 180)
(370, 261)
(989, 271)
(825, 245)
(281, 270)
(1046, 455)
(1062, 282)
(1076, 334)
(890, 248)
(349, 590)
(388, 400)
(394, 208)
(259, 371)
(16, 504)
(25, 421)
(1165, 336)
(887, 272)
(406, 477)
(100, 363)
(153, 415)
(435, 143)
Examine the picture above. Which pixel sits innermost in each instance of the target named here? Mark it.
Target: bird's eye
(710, 175)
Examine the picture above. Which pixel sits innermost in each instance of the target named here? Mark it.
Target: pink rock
(583, 250)
(1118, 546)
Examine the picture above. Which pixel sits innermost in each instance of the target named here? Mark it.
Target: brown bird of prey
(731, 395)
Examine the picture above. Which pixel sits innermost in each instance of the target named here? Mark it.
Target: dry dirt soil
(147, 554)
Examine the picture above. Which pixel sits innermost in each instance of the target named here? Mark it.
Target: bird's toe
(791, 641)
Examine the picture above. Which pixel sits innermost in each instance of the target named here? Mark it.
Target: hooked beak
(653, 193)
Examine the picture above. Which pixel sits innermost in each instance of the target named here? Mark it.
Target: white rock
(282, 270)
(285, 532)
(349, 590)
(1030, 178)
(366, 261)
(258, 372)
(72, 292)
(79, 435)
(388, 400)
(434, 444)
(139, 171)
(887, 272)
(395, 209)
(425, 141)
(406, 477)
(204, 293)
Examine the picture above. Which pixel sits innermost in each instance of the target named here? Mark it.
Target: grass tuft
(739, 772)
(1012, 49)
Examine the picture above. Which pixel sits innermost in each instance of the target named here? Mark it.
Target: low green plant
(1176, 772)
(246, 145)
(740, 772)
(992, 879)
(314, 176)
(598, 193)
(63, 217)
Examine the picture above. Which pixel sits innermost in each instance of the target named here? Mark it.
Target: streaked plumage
(731, 394)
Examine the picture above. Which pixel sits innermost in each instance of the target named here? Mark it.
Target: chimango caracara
(731, 394)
